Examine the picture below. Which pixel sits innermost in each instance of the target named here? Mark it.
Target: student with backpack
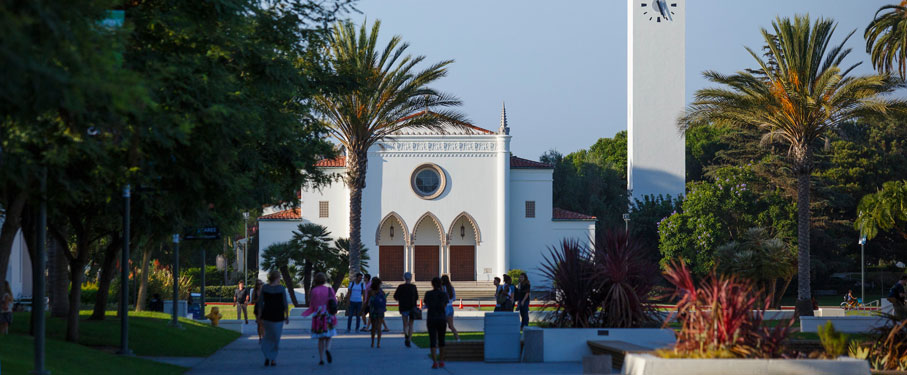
(274, 314)
(506, 295)
(323, 304)
(354, 295)
(376, 305)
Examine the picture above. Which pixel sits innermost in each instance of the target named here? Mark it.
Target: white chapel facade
(452, 202)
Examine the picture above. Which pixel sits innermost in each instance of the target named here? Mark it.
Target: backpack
(505, 298)
(332, 304)
(378, 303)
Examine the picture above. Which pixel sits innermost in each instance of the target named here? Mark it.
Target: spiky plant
(569, 271)
(625, 277)
(797, 100)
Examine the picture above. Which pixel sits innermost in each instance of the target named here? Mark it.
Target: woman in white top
(354, 299)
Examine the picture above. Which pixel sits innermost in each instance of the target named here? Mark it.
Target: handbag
(417, 313)
(332, 306)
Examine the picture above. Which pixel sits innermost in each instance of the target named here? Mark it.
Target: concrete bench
(616, 349)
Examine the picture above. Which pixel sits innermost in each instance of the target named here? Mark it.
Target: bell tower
(656, 149)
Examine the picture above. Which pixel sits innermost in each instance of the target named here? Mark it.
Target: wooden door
(390, 263)
(426, 262)
(463, 263)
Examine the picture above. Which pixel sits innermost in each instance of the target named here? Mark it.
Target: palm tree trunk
(307, 280)
(291, 285)
(804, 294)
(141, 295)
(356, 164)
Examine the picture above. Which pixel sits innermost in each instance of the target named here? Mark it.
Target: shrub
(568, 268)
(212, 276)
(515, 275)
(625, 277)
(834, 342)
(889, 349)
(718, 319)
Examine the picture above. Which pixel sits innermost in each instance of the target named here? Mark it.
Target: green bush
(222, 293)
(90, 293)
(515, 275)
(834, 342)
(212, 276)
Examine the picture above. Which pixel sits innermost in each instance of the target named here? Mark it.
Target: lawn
(149, 334)
(17, 357)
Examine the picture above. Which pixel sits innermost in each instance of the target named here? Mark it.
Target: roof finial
(504, 129)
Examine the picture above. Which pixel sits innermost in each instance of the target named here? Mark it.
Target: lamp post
(862, 243)
(245, 248)
(626, 217)
(124, 278)
(174, 322)
(38, 295)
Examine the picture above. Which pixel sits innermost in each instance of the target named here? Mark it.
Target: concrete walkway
(352, 355)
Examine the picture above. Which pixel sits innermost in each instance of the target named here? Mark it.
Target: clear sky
(561, 66)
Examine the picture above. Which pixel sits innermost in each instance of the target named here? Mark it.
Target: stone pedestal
(502, 337)
(597, 364)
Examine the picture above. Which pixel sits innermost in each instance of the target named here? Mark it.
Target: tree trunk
(285, 272)
(804, 294)
(140, 296)
(11, 225)
(75, 299)
(59, 277)
(357, 164)
(783, 291)
(108, 271)
(307, 279)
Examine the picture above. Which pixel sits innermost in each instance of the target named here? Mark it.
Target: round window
(428, 181)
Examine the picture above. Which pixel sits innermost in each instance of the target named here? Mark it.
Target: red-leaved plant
(722, 317)
(604, 286)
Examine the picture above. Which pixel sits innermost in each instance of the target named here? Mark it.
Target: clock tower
(655, 97)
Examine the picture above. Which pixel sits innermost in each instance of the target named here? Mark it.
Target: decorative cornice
(438, 147)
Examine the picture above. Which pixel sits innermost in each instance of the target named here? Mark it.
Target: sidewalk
(352, 355)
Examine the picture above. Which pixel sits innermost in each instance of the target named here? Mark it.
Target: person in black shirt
(896, 296)
(522, 300)
(407, 295)
(436, 321)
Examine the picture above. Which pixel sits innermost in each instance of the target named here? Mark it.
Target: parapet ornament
(439, 146)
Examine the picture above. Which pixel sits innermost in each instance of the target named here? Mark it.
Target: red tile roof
(338, 162)
(291, 214)
(520, 163)
(515, 162)
(562, 214)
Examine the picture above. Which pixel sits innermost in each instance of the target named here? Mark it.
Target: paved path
(352, 355)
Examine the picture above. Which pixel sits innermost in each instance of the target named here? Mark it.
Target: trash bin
(182, 308)
(502, 337)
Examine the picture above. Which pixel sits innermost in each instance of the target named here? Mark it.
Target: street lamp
(124, 277)
(862, 243)
(176, 285)
(245, 248)
(626, 217)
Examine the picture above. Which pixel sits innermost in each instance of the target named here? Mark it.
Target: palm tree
(387, 94)
(761, 257)
(885, 209)
(337, 269)
(886, 38)
(797, 101)
(278, 257)
(313, 250)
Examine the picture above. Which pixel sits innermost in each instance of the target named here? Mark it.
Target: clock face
(658, 10)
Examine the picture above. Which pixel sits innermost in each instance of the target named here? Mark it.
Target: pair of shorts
(373, 317)
(449, 310)
(6, 317)
(406, 313)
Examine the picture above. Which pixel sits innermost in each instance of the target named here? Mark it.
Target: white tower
(655, 97)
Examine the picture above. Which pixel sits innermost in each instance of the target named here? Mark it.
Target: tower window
(530, 209)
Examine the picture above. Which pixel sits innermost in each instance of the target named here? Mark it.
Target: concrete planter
(569, 344)
(848, 324)
(647, 364)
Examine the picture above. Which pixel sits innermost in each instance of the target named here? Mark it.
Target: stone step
(465, 351)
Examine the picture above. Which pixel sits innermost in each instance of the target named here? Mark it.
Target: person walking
(522, 299)
(364, 311)
(509, 292)
(354, 300)
(240, 300)
(323, 303)
(376, 305)
(497, 294)
(406, 296)
(256, 307)
(436, 321)
(449, 311)
(274, 314)
(6, 308)
(896, 295)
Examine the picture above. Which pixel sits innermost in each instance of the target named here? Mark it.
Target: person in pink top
(322, 303)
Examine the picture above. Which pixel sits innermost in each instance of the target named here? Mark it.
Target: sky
(561, 66)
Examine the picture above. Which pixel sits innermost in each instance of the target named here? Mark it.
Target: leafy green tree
(589, 183)
(313, 251)
(886, 39)
(386, 93)
(759, 256)
(279, 257)
(885, 210)
(798, 101)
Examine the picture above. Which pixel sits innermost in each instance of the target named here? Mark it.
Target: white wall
(655, 99)
(271, 232)
(530, 237)
(18, 272)
(338, 198)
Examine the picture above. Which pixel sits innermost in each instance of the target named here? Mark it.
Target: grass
(421, 338)
(228, 312)
(149, 334)
(17, 357)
